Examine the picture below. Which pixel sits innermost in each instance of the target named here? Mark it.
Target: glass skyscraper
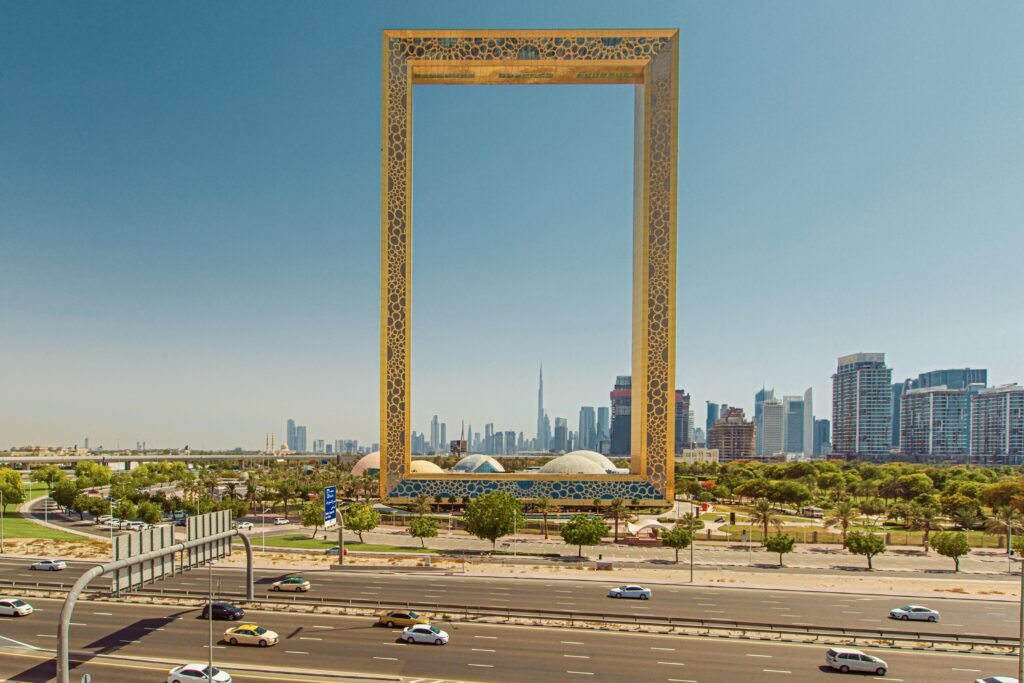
(862, 406)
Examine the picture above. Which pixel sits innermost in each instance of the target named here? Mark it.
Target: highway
(476, 652)
(960, 616)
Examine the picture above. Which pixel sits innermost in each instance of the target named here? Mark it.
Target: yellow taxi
(401, 617)
(250, 634)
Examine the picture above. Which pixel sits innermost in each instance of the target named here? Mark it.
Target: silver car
(49, 565)
(914, 613)
(424, 633)
(845, 660)
(15, 607)
(631, 591)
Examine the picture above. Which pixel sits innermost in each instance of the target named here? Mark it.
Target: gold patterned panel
(646, 58)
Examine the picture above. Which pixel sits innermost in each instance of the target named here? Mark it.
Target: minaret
(541, 441)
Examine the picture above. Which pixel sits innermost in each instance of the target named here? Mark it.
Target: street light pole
(1020, 631)
(209, 619)
(691, 541)
(1, 520)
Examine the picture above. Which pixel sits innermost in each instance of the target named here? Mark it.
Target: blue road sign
(330, 506)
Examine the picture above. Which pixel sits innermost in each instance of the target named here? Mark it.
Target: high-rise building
(997, 425)
(546, 433)
(444, 438)
(603, 423)
(733, 436)
(711, 419)
(542, 430)
(822, 438)
(700, 437)
(759, 399)
(934, 423)
(562, 438)
(682, 440)
(300, 439)
(621, 400)
(489, 444)
(290, 436)
(798, 423)
(862, 406)
(510, 443)
(435, 434)
(952, 379)
(897, 390)
(808, 420)
(588, 428)
(773, 426)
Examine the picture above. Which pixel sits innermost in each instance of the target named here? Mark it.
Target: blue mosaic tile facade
(555, 489)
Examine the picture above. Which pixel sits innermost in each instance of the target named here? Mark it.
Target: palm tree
(764, 515)
(1005, 519)
(421, 506)
(617, 510)
(842, 514)
(544, 506)
(924, 517)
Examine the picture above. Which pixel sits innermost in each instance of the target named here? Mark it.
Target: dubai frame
(648, 59)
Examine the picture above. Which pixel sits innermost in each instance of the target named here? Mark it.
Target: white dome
(368, 464)
(478, 464)
(572, 463)
(601, 460)
(424, 467)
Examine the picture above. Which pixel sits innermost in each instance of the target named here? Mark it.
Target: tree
(11, 487)
(422, 528)
(691, 521)
(862, 543)
(81, 504)
(764, 515)
(421, 505)
(360, 517)
(150, 512)
(789, 492)
(843, 513)
(493, 515)
(545, 507)
(50, 474)
(872, 507)
(913, 485)
(64, 492)
(89, 474)
(952, 544)
(925, 518)
(617, 510)
(583, 530)
(1005, 519)
(780, 544)
(313, 515)
(678, 538)
(125, 509)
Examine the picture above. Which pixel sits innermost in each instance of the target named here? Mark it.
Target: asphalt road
(502, 654)
(961, 616)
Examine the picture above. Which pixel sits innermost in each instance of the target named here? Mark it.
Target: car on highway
(223, 611)
(845, 660)
(188, 673)
(15, 607)
(630, 591)
(250, 634)
(914, 613)
(423, 633)
(104, 519)
(401, 617)
(244, 526)
(292, 583)
(49, 565)
(996, 679)
(280, 521)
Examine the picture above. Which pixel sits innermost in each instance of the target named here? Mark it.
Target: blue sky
(189, 200)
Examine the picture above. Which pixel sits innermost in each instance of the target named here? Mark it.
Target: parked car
(292, 583)
(189, 673)
(250, 634)
(846, 660)
(137, 526)
(422, 633)
(280, 521)
(15, 607)
(103, 519)
(334, 551)
(401, 617)
(49, 565)
(638, 592)
(223, 611)
(181, 521)
(915, 613)
(244, 526)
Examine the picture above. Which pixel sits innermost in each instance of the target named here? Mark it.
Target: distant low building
(691, 456)
(733, 436)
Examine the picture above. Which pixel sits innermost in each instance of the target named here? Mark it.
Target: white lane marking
(390, 659)
(778, 671)
(296, 652)
(104, 614)
(74, 623)
(131, 641)
(46, 635)
(487, 637)
(681, 680)
(845, 612)
(309, 638)
(18, 643)
(187, 583)
(565, 603)
(571, 642)
(765, 656)
(482, 649)
(578, 656)
(483, 666)
(717, 611)
(672, 663)
(970, 670)
(500, 600)
(705, 604)
(216, 647)
(316, 626)
(580, 673)
(666, 649)
(368, 593)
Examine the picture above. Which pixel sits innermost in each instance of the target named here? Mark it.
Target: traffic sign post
(330, 506)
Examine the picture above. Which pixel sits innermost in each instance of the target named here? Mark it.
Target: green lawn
(16, 526)
(304, 541)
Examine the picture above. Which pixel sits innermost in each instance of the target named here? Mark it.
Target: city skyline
(190, 261)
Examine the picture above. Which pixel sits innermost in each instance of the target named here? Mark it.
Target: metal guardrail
(972, 640)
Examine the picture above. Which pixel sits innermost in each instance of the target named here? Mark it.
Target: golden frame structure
(647, 59)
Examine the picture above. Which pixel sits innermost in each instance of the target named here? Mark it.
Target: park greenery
(493, 515)
(781, 544)
(678, 538)
(584, 530)
(423, 528)
(862, 543)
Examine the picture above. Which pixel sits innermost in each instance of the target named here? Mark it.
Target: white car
(845, 660)
(244, 526)
(914, 612)
(187, 673)
(280, 521)
(104, 519)
(296, 584)
(250, 634)
(15, 607)
(137, 526)
(49, 565)
(996, 679)
(424, 633)
(638, 592)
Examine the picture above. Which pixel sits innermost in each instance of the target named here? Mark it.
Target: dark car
(223, 610)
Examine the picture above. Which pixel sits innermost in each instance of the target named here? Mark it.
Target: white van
(846, 660)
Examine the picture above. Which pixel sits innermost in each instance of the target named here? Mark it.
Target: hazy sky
(189, 212)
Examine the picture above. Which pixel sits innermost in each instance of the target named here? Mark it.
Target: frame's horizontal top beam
(537, 72)
(527, 33)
